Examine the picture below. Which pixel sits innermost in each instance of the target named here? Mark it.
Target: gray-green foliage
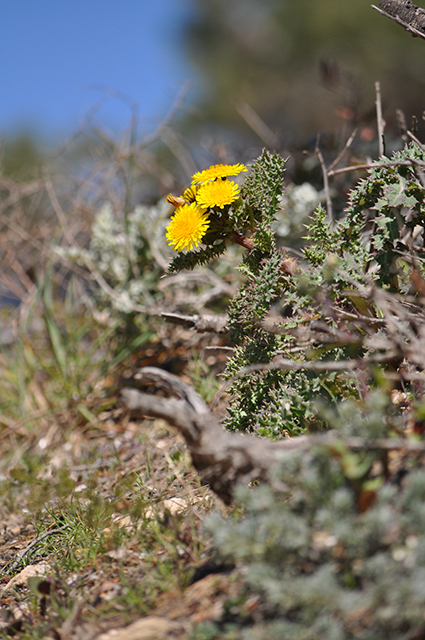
(120, 258)
(328, 563)
(297, 204)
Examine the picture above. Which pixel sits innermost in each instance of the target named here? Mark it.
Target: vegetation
(104, 521)
(326, 563)
(327, 341)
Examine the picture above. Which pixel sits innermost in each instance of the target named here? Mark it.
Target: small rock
(149, 628)
(21, 578)
(175, 505)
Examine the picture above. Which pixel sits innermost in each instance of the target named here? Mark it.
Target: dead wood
(405, 13)
(224, 459)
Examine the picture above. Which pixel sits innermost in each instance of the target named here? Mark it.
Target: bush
(342, 555)
(340, 552)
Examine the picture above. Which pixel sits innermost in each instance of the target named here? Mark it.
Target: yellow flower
(217, 193)
(190, 193)
(218, 171)
(187, 227)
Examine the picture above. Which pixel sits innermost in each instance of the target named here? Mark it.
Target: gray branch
(405, 13)
(224, 459)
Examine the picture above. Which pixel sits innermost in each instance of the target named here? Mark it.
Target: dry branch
(210, 323)
(405, 13)
(225, 459)
(381, 123)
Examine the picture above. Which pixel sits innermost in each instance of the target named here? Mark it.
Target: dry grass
(108, 511)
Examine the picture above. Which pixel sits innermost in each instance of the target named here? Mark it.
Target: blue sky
(51, 51)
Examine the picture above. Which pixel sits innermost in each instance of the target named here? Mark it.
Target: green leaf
(58, 344)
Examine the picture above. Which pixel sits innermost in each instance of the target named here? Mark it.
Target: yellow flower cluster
(209, 189)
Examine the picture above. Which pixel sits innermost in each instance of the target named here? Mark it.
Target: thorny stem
(243, 241)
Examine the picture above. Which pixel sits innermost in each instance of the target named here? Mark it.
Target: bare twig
(81, 129)
(415, 139)
(401, 122)
(243, 241)
(380, 121)
(211, 323)
(169, 118)
(59, 212)
(358, 318)
(182, 154)
(67, 629)
(319, 156)
(198, 301)
(284, 364)
(33, 544)
(377, 165)
(344, 150)
(259, 127)
(19, 192)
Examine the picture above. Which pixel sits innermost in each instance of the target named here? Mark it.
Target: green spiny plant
(378, 240)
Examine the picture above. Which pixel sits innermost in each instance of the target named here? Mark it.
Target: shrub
(342, 554)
